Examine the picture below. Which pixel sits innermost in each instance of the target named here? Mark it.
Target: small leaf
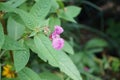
(72, 11)
(11, 44)
(15, 29)
(67, 48)
(1, 36)
(41, 9)
(28, 74)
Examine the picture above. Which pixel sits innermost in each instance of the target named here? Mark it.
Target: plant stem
(2, 53)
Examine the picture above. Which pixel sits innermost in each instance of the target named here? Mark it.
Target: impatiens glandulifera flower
(7, 72)
(57, 41)
(58, 30)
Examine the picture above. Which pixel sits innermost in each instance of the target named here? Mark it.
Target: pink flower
(58, 43)
(58, 30)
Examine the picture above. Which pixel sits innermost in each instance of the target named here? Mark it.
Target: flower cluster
(57, 41)
(7, 71)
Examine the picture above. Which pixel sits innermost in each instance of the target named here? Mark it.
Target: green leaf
(28, 74)
(49, 76)
(11, 44)
(15, 3)
(1, 36)
(62, 14)
(21, 59)
(6, 7)
(53, 21)
(55, 58)
(43, 45)
(54, 6)
(72, 11)
(28, 19)
(15, 29)
(30, 43)
(67, 66)
(41, 9)
(67, 48)
(95, 45)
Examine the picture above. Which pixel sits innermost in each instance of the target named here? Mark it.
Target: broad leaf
(45, 49)
(21, 58)
(1, 36)
(11, 44)
(67, 66)
(15, 29)
(67, 48)
(41, 9)
(28, 74)
(72, 11)
(28, 19)
(56, 58)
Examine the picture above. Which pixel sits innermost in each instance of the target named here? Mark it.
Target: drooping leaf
(21, 58)
(28, 74)
(67, 66)
(45, 49)
(11, 44)
(15, 29)
(41, 9)
(56, 58)
(1, 36)
(72, 11)
(67, 48)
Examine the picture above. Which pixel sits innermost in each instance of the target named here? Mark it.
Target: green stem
(2, 53)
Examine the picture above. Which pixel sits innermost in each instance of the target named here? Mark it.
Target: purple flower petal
(58, 43)
(58, 30)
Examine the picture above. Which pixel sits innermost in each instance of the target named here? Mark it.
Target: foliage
(29, 28)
